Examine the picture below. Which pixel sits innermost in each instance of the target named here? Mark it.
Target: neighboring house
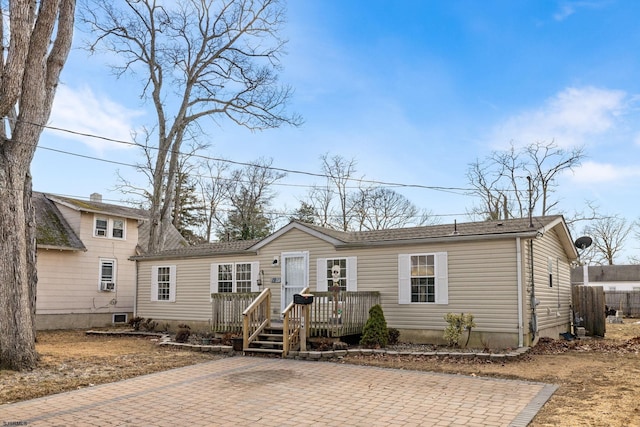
(610, 277)
(85, 276)
(493, 270)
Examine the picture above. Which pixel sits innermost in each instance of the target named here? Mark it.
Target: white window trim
(114, 274)
(255, 272)
(441, 275)
(109, 230)
(172, 283)
(352, 273)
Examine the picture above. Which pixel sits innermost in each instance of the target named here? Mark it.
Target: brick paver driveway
(276, 392)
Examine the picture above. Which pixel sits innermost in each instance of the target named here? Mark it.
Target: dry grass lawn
(598, 379)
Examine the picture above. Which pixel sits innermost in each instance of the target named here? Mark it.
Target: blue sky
(414, 91)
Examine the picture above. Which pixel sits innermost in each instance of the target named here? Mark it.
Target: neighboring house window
(550, 271)
(234, 277)
(423, 278)
(107, 280)
(344, 270)
(118, 229)
(163, 283)
(109, 227)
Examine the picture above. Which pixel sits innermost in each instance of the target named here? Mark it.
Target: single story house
(610, 277)
(85, 275)
(512, 275)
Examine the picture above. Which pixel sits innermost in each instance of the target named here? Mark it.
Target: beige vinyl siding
(482, 279)
(293, 241)
(193, 284)
(68, 280)
(553, 312)
(485, 287)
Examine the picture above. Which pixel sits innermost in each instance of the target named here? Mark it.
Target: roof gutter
(61, 248)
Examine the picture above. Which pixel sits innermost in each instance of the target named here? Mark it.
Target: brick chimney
(96, 197)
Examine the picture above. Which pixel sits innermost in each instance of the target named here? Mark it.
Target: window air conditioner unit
(107, 286)
(101, 232)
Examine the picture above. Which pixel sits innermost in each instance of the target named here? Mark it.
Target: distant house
(85, 276)
(512, 275)
(610, 277)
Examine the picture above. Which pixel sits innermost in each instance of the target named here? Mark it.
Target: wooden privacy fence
(588, 309)
(628, 302)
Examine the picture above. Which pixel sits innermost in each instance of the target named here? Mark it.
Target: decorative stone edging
(339, 354)
(333, 354)
(217, 348)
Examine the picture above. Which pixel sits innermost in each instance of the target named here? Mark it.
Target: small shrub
(394, 336)
(457, 323)
(375, 333)
(136, 322)
(183, 334)
(149, 325)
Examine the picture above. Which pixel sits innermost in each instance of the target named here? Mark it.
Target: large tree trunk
(17, 335)
(40, 71)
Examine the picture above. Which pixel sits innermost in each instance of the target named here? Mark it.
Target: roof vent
(95, 197)
(500, 224)
(455, 227)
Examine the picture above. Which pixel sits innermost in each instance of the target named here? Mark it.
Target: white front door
(295, 275)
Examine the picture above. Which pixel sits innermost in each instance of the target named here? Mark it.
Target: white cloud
(602, 173)
(82, 111)
(569, 8)
(570, 118)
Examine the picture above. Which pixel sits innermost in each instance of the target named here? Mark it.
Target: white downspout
(519, 275)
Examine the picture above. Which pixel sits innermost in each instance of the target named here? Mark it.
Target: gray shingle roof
(99, 207)
(52, 230)
(173, 238)
(55, 232)
(206, 249)
(469, 229)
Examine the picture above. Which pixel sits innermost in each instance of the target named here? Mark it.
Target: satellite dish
(583, 242)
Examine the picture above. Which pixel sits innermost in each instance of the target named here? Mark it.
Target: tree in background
(305, 213)
(197, 59)
(340, 206)
(609, 235)
(213, 192)
(36, 38)
(501, 181)
(378, 208)
(250, 193)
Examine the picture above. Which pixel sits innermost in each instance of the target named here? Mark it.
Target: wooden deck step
(263, 350)
(268, 343)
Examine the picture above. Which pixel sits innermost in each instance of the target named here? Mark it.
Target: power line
(239, 163)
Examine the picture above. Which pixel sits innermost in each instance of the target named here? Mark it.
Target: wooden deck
(331, 314)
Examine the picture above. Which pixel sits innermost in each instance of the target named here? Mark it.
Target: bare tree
(501, 180)
(36, 39)
(198, 58)
(339, 172)
(547, 161)
(609, 235)
(379, 208)
(214, 190)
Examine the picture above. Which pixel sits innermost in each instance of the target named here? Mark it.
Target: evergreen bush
(375, 333)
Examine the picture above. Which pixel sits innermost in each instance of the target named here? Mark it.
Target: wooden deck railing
(339, 315)
(256, 318)
(330, 315)
(227, 311)
(292, 320)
